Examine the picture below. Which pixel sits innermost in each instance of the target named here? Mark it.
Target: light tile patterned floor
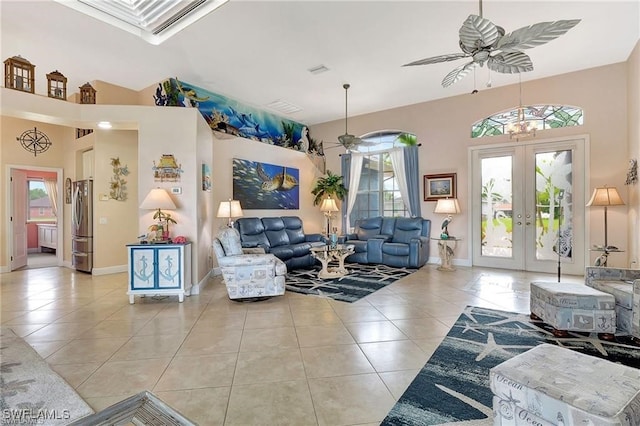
(295, 359)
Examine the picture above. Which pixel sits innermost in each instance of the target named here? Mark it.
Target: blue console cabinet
(163, 269)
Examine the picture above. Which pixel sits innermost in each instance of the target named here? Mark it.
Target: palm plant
(329, 185)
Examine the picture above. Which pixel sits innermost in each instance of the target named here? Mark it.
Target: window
(378, 192)
(541, 116)
(39, 204)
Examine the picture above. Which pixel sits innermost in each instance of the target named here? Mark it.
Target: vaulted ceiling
(258, 52)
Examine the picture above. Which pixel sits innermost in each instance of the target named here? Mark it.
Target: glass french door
(528, 206)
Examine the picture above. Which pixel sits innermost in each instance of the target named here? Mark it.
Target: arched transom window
(539, 116)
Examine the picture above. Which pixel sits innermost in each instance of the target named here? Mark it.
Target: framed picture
(206, 178)
(438, 186)
(67, 191)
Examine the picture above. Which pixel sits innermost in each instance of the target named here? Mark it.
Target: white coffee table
(326, 254)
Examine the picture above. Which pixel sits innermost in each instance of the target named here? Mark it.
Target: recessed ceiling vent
(318, 69)
(284, 107)
(152, 20)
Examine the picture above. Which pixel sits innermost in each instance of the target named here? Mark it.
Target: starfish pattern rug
(453, 387)
(361, 281)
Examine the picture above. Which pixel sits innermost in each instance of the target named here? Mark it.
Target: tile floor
(295, 359)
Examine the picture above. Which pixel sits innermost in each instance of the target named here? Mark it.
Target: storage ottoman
(550, 385)
(573, 307)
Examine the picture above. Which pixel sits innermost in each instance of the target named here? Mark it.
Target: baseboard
(199, 286)
(109, 270)
(5, 269)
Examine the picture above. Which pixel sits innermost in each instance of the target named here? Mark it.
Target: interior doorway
(36, 207)
(528, 206)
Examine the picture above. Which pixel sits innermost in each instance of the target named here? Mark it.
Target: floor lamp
(605, 197)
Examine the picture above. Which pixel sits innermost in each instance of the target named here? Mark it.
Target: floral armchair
(247, 276)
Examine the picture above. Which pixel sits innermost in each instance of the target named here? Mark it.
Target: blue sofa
(398, 242)
(280, 236)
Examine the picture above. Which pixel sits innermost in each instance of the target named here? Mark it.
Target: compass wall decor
(34, 141)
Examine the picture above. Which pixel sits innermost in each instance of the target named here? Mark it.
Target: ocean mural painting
(231, 117)
(265, 186)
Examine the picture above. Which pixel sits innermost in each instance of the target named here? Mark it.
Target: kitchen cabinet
(48, 235)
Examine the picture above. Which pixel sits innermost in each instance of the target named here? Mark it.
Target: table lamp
(230, 209)
(448, 206)
(158, 198)
(605, 197)
(329, 206)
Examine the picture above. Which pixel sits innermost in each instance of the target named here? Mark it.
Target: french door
(528, 206)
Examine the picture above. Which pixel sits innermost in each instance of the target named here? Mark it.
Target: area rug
(454, 384)
(361, 281)
(32, 393)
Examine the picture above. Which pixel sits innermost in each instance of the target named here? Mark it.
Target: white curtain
(354, 182)
(51, 185)
(397, 162)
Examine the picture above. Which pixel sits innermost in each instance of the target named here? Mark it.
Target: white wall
(225, 149)
(160, 131)
(443, 127)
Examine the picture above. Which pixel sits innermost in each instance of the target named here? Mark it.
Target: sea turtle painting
(279, 182)
(265, 186)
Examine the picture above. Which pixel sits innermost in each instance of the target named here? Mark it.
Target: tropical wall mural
(231, 117)
(265, 186)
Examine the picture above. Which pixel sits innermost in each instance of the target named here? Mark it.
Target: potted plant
(328, 186)
(166, 218)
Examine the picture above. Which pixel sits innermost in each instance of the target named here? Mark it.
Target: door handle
(78, 254)
(518, 223)
(81, 240)
(528, 223)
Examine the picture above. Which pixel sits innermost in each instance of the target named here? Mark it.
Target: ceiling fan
(483, 41)
(347, 140)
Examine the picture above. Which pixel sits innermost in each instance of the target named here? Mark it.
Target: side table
(604, 257)
(446, 252)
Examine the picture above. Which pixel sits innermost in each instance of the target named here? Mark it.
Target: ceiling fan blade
(510, 63)
(458, 73)
(477, 32)
(438, 59)
(535, 35)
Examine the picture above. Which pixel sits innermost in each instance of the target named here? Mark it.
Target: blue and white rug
(361, 281)
(454, 384)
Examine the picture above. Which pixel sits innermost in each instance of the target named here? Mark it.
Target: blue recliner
(283, 237)
(398, 242)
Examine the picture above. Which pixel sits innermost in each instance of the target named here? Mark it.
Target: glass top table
(326, 254)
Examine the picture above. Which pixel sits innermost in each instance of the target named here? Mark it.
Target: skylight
(152, 20)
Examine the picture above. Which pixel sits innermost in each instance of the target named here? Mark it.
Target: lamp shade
(447, 206)
(158, 198)
(605, 196)
(229, 209)
(329, 205)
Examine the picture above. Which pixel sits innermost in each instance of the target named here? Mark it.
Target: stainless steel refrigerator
(82, 225)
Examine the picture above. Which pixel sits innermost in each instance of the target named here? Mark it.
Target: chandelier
(521, 128)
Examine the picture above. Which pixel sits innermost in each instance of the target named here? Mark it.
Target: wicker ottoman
(573, 307)
(550, 385)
